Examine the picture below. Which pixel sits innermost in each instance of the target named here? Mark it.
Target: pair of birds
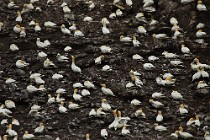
(119, 121)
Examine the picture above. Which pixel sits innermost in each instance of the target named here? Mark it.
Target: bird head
(26, 132)
(181, 106)
(151, 100)
(140, 110)
(103, 85)
(115, 113)
(62, 103)
(197, 117)
(131, 72)
(156, 124)
(103, 100)
(200, 2)
(196, 61)
(133, 78)
(102, 57)
(63, 26)
(200, 30)
(119, 113)
(18, 13)
(25, 5)
(134, 37)
(75, 90)
(182, 45)
(73, 59)
(168, 78)
(17, 25)
(7, 101)
(159, 112)
(191, 119)
(9, 126)
(122, 36)
(87, 136)
(206, 133)
(41, 124)
(181, 129)
(201, 82)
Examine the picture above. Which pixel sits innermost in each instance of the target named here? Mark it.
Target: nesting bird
(129, 2)
(104, 133)
(195, 65)
(37, 28)
(27, 136)
(182, 109)
(62, 58)
(169, 55)
(91, 5)
(61, 108)
(201, 73)
(186, 1)
(99, 59)
(184, 135)
(9, 104)
(140, 113)
(158, 95)
(159, 127)
(148, 66)
(65, 30)
(105, 49)
(135, 102)
(19, 17)
(50, 24)
(48, 63)
(50, 99)
(89, 85)
(137, 57)
(185, 49)
(159, 117)
(73, 106)
(44, 44)
(78, 33)
(40, 128)
(21, 64)
(125, 131)
(1, 25)
(10, 131)
(200, 34)
(88, 19)
(125, 39)
(202, 84)
(74, 67)
(176, 95)
(65, 8)
(13, 47)
(119, 13)
(92, 112)
(105, 106)
(156, 104)
(136, 43)
(173, 21)
(22, 32)
(106, 90)
(141, 30)
(76, 96)
(85, 92)
(200, 6)
(16, 28)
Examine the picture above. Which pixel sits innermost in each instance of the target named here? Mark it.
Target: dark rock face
(76, 123)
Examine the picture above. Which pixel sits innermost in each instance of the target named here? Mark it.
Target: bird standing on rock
(74, 67)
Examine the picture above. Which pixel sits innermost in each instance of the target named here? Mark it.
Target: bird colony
(102, 70)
